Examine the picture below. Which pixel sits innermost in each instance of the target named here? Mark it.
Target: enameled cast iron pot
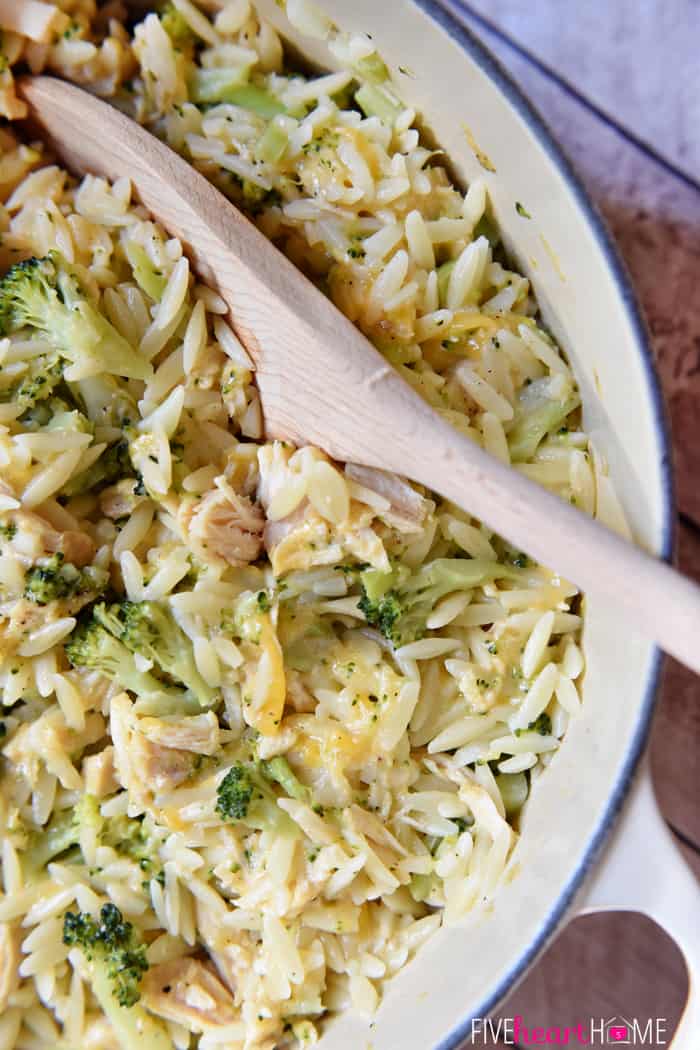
(471, 106)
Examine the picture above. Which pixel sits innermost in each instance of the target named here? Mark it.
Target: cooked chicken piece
(9, 962)
(407, 508)
(196, 733)
(296, 536)
(121, 500)
(277, 531)
(304, 539)
(298, 696)
(99, 774)
(17, 620)
(98, 1035)
(301, 540)
(188, 992)
(76, 547)
(225, 525)
(38, 537)
(157, 767)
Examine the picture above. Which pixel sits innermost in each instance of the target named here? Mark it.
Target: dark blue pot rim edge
(477, 51)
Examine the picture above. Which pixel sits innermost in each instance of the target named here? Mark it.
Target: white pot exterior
(587, 304)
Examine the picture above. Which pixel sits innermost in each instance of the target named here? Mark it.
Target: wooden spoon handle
(322, 383)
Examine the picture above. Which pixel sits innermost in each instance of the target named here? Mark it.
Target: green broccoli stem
(113, 464)
(149, 629)
(531, 427)
(61, 835)
(279, 770)
(116, 962)
(150, 280)
(90, 645)
(376, 100)
(133, 1026)
(399, 602)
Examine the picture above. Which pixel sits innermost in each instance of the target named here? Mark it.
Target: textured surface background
(619, 84)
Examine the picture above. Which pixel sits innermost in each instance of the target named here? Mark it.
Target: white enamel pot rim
(464, 973)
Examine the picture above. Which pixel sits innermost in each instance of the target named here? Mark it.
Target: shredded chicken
(9, 963)
(224, 524)
(99, 774)
(298, 696)
(157, 767)
(407, 508)
(277, 531)
(188, 992)
(121, 500)
(19, 619)
(197, 733)
(76, 547)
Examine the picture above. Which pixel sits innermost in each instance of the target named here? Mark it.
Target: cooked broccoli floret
(126, 835)
(53, 578)
(37, 382)
(45, 294)
(55, 413)
(113, 464)
(60, 834)
(116, 964)
(234, 793)
(399, 602)
(245, 795)
(111, 944)
(542, 724)
(149, 629)
(131, 837)
(91, 645)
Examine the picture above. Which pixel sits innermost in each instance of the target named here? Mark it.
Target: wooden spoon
(321, 382)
